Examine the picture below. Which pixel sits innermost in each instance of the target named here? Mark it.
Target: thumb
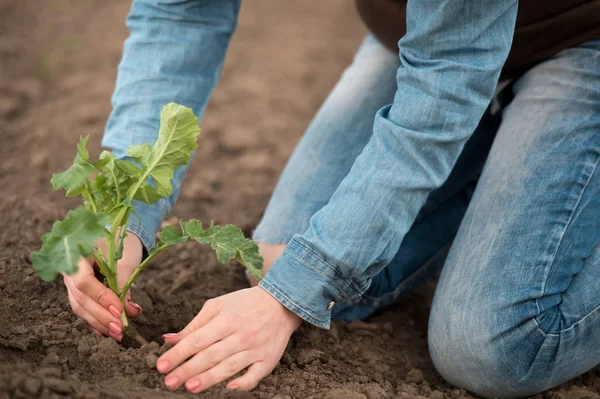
(131, 307)
(132, 256)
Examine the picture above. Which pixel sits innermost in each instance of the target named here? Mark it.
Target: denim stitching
(568, 328)
(334, 281)
(332, 267)
(308, 316)
(551, 266)
(572, 212)
(306, 262)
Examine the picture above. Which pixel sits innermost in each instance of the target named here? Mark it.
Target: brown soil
(58, 64)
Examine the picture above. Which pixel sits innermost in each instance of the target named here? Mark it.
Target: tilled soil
(57, 69)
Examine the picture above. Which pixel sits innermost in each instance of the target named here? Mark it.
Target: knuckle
(101, 296)
(246, 339)
(194, 325)
(231, 319)
(197, 343)
(232, 365)
(78, 297)
(254, 329)
(209, 304)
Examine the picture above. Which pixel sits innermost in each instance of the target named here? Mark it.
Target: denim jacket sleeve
(175, 52)
(451, 59)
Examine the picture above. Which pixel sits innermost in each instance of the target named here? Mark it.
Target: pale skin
(246, 329)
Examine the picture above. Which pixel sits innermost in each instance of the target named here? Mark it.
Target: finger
(208, 312)
(107, 317)
(172, 338)
(251, 377)
(87, 317)
(76, 299)
(204, 360)
(222, 371)
(132, 309)
(194, 343)
(98, 292)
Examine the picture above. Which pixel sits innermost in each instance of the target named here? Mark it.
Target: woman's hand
(247, 328)
(95, 303)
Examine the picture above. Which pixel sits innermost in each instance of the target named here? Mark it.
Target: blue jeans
(516, 226)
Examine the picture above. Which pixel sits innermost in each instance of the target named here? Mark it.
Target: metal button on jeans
(330, 306)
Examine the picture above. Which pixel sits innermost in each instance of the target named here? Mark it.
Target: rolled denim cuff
(307, 285)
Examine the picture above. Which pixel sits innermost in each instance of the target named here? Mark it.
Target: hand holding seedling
(109, 186)
(247, 328)
(97, 304)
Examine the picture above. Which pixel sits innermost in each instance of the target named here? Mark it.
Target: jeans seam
(333, 268)
(552, 262)
(568, 328)
(310, 265)
(308, 316)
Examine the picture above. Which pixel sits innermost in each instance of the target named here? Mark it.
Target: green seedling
(109, 187)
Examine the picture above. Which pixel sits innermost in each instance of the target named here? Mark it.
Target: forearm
(174, 53)
(451, 59)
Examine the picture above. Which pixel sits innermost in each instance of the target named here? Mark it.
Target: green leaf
(171, 236)
(147, 194)
(74, 178)
(173, 148)
(227, 241)
(69, 240)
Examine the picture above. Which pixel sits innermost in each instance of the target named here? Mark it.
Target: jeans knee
(469, 355)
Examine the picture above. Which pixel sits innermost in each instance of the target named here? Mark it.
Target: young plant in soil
(110, 185)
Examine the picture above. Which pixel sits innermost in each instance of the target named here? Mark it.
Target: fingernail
(192, 384)
(171, 381)
(233, 386)
(162, 366)
(114, 311)
(114, 327)
(169, 336)
(116, 336)
(136, 306)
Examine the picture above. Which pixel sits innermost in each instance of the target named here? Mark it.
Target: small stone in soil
(31, 385)
(151, 359)
(375, 391)
(415, 375)
(50, 360)
(306, 356)
(141, 378)
(50, 372)
(436, 395)
(455, 393)
(58, 385)
(343, 393)
(84, 348)
(108, 345)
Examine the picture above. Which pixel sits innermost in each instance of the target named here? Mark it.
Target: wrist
(292, 319)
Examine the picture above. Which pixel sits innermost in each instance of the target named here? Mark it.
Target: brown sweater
(544, 27)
